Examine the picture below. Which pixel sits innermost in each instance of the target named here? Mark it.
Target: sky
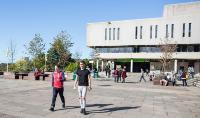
(20, 20)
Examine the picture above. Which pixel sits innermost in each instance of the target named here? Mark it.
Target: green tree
(59, 51)
(36, 46)
(35, 49)
(22, 66)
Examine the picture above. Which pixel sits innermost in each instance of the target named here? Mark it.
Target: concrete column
(102, 67)
(131, 67)
(97, 65)
(175, 66)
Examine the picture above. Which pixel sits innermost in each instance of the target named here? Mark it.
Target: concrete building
(134, 43)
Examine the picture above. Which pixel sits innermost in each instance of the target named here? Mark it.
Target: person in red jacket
(57, 84)
(123, 75)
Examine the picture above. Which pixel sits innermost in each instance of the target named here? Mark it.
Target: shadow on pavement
(113, 109)
(105, 85)
(89, 105)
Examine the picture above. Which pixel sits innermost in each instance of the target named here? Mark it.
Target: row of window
(112, 33)
(139, 29)
(150, 49)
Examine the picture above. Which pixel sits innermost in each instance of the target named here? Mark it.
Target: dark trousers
(123, 80)
(55, 93)
(142, 77)
(116, 79)
(184, 82)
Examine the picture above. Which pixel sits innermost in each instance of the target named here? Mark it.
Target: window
(189, 33)
(136, 32)
(172, 31)
(166, 35)
(183, 30)
(109, 33)
(151, 32)
(140, 32)
(106, 34)
(113, 33)
(118, 33)
(156, 31)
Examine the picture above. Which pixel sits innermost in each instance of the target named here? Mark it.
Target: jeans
(55, 93)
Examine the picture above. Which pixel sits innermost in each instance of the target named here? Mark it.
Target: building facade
(134, 43)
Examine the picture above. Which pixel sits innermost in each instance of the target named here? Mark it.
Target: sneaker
(63, 106)
(51, 109)
(84, 112)
(81, 111)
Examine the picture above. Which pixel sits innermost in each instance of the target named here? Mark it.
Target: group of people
(181, 75)
(83, 80)
(119, 74)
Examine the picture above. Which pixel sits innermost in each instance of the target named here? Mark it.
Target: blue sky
(21, 19)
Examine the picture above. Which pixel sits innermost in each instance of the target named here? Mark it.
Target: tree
(94, 56)
(35, 49)
(22, 66)
(167, 49)
(59, 51)
(36, 46)
(77, 56)
(11, 51)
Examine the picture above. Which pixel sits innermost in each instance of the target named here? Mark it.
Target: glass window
(183, 30)
(166, 35)
(113, 33)
(109, 33)
(156, 31)
(136, 32)
(151, 32)
(106, 34)
(118, 33)
(189, 33)
(140, 32)
(172, 31)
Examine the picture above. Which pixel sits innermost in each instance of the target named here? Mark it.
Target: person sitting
(37, 74)
(165, 80)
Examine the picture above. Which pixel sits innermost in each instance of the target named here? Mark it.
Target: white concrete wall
(96, 31)
(178, 55)
(181, 9)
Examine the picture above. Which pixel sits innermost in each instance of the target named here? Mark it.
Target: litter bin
(74, 75)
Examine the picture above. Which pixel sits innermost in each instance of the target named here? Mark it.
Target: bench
(20, 74)
(41, 75)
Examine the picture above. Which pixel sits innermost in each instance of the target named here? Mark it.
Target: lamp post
(7, 55)
(45, 61)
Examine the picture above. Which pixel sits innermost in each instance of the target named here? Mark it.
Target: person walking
(183, 77)
(57, 84)
(83, 79)
(142, 75)
(115, 75)
(120, 74)
(124, 75)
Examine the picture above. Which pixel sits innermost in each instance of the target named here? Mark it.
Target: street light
(45, 62)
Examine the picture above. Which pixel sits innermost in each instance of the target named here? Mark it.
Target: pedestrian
(115, 75)
(58, 78)
(183, 77)
(83, 79)
(124, 75)
(142, 75)
(119, 74)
